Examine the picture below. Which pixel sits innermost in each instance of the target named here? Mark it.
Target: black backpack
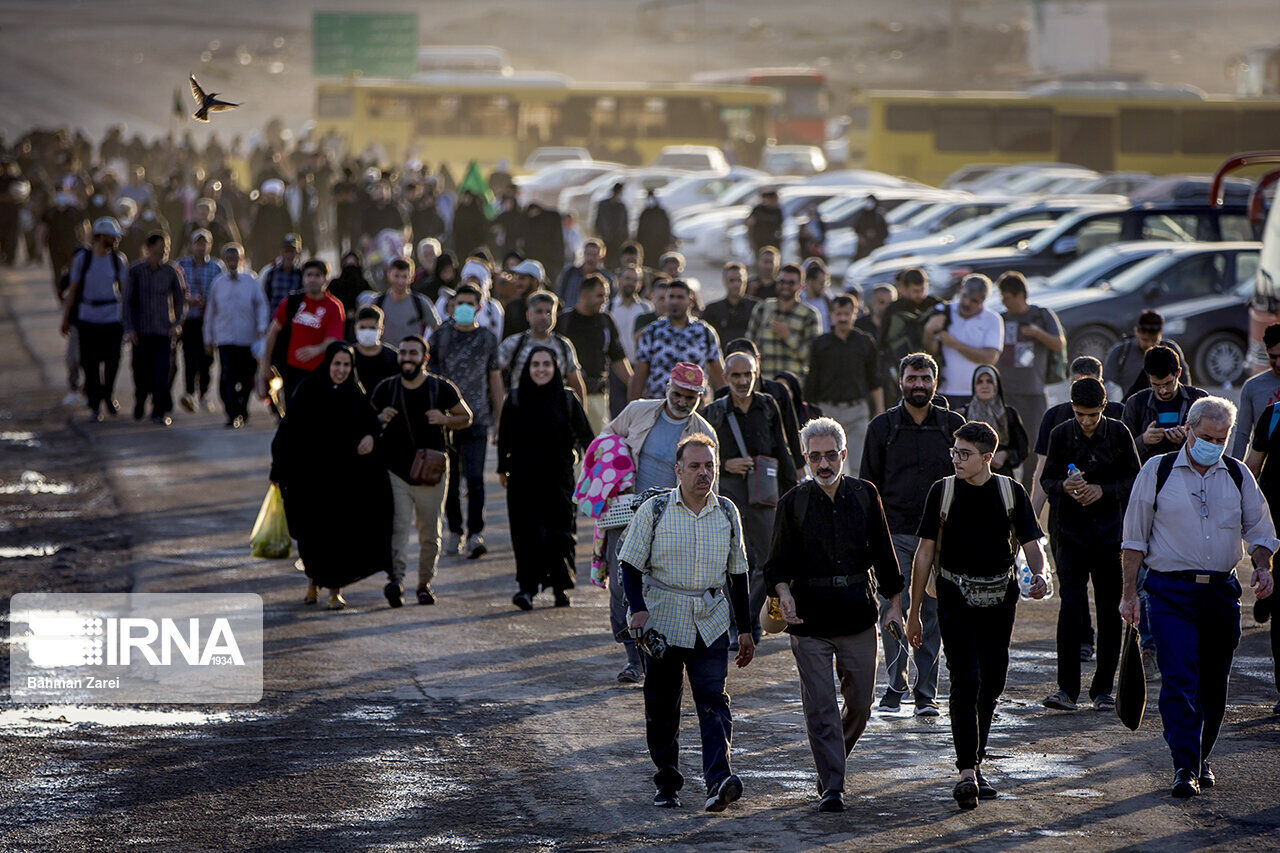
(280, 352)
(64, 280)
(1165, 468)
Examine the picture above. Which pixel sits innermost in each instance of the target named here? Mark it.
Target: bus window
(1024, 129)
(388, 106)
(908, 117)
(1236, 226)
(575, 118)
(1178, 227)
(1259, 129)
(1208, 132)
(1144, 131)
(965, 129)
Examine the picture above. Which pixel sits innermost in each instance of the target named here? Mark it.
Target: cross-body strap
(732, 417)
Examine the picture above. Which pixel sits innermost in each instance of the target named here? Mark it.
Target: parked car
(884, 273)
(793, 160)
(691, 158)
(545, 185)
(1214, 331)
(547, 155)
(1097, 268)
(702, 187)
(582, 201)
(946, 215)
(1095, 318)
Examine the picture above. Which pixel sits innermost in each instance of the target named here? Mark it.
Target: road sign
(368, 44)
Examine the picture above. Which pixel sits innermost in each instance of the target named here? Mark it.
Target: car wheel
(1221, 359)
(1096, 341)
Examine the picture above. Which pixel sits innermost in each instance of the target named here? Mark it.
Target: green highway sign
(368, 44)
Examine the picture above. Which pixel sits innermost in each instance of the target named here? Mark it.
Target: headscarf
(543, 403)
(794, 388)
(321, 373)
(990, 412)
(350, 282)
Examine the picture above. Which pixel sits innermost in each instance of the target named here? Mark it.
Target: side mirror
(1066, 246)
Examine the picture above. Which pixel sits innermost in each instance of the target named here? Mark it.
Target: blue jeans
(1196, 628)
(708, 667)
(466, 458)
(1145, 640)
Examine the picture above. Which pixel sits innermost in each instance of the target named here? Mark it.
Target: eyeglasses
(832, 456)
(1204, 504)
(962, 455)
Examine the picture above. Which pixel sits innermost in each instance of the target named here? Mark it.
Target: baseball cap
(107, 226)
(273, 186)
(688, 376)
(530, 267)
(292, 241)
(476, 270)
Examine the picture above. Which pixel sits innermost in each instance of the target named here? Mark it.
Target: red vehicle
(800, 118)
(1264, 307)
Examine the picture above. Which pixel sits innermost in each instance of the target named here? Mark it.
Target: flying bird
(208, 102)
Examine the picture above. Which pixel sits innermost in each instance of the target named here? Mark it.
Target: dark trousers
(708, 667)
(1076, 565)
(1196, 628)
(100, 360)
(236, 368)
(293, 377)
(466, 457)
(196, 362)
(757, 534)
(976, 643)
(152, 360)
(1275, 648)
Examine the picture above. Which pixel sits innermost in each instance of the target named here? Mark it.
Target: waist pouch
(980, 592)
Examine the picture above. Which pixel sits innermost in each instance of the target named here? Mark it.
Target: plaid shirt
(278, 284)
(690, 551)
(199, 279)
(777, 355)
(662, 346)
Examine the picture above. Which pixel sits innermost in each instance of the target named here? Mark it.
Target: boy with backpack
(972, 526)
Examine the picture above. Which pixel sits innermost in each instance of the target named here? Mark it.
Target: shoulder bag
(427, 468)
(762, 480)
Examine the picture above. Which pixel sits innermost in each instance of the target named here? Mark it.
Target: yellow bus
(928, 135)
(456, 117)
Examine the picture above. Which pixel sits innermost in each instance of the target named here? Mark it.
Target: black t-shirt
(1168, 412)
(372, 369)
(395, 445)
(595, 337)
(976, 541)
(1062, 413)
(1269, 478)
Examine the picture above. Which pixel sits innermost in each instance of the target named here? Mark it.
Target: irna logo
(63, 639)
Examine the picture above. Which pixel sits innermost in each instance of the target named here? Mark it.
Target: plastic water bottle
(1024, 581)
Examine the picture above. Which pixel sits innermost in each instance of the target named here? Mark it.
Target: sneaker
(1060, 701)
(394, 593)
(632, 674)
(1149, 665)
(890, 702)
(1105, 702)
(562, 598)
(966, 794)
(523, 600)
(426, 595)
(475, 547)
(1086, 652)
(927, 710)
(986, 791)
(666, 799)
(728, 791)
(452, 544)
(187, 402)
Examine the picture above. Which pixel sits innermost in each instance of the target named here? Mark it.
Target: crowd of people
(911, 417)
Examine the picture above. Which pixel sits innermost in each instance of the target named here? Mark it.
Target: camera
(652, 643)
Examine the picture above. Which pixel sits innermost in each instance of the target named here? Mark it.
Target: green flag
(474, 182)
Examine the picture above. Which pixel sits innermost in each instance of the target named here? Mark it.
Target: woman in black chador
(337, 497)
(542, 433)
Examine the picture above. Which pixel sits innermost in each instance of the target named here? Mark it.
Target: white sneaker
(452, 544)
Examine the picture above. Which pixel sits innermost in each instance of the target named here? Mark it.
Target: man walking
(784, 328)
(651, 429)
(907, 451)
(467, 355)
(302, 326)
(198, 272)
(1187, 514)
(598, 344)
(235, 317)
(832, 553)
(674, 339)
(845, 378)
(764, 222)
(416, 410)
(1156, 416)
(92, 305)
(749, 431)
(963, 336)
(593, 255)
(731, 315)
(514, 351)
(1122, 368)
(155, 302)
(1258, 392)
(1088, 473)
(682, 553)
(404, 312)
(612, 223)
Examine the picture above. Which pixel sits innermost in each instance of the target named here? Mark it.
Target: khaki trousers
(597, 408)
(420, 507)
(832, 732)
(854, 417)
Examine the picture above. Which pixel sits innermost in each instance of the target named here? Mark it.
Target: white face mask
(367, 337)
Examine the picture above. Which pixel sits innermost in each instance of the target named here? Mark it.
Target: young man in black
(988, 517)
(1156, 416)
(1088, 473)
(375, 361)
(844, 377)
(598, 343)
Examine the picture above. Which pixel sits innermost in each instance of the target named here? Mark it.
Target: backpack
(660, 506)
(511, 365)
(1055, 367)
(381, 300)
(1007, 498)
(939, 414)
(280, 352)
(1165, 468)
(904, 330)
(64, 280)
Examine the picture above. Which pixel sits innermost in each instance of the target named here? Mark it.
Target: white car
(692, 158)
(793, 160)
(944, 216)
(547, 155)
(544, 187)
(702, 188)
(583, 201)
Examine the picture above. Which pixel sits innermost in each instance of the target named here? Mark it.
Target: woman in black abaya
(542, 434)
(337, 497)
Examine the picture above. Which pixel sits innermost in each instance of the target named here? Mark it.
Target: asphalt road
(472, 726)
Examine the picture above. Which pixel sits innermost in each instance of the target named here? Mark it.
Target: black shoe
(139, 410)
(426, 595)
(524, 601)
(1086, 652)
(832, 801)
(1207, 779)
(113, 407)
(1262, 611)
(1185, 784)
(728, 791)
(986, 791)
(890, 702)
(162, 420)
(666, 799)
(394, 593)
(562, 598)
(966, 794)
(1058, 700)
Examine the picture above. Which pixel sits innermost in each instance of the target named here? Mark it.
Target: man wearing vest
(682, 565)
(906, 452)
(1088, 472)
(830, 535)
(1156, 415)
(1187, 514)
(972, 526)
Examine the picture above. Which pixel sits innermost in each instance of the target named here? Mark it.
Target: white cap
(107, 227)
(530, 267)
(274, 186)
(476, 270)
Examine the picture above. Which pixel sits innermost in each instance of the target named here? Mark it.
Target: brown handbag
(427, 468)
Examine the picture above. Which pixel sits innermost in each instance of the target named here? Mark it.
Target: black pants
(466, 458)
(152, 359)
(100, 360)
(196, 362)
(1076, 565)
(757, 534)
(236, 368)
(1081, 608)
(708, 666)
(976, 643)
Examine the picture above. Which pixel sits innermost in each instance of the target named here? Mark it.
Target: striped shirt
(199, 279)
(690, 551)
(154, 298)
(776, 354)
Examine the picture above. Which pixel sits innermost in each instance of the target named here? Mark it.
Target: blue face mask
(464, 315)
(1205, 452)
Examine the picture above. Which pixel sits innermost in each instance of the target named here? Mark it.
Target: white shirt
(624, 317)
(984, 330)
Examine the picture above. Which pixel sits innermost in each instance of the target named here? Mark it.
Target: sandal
(312, 596)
